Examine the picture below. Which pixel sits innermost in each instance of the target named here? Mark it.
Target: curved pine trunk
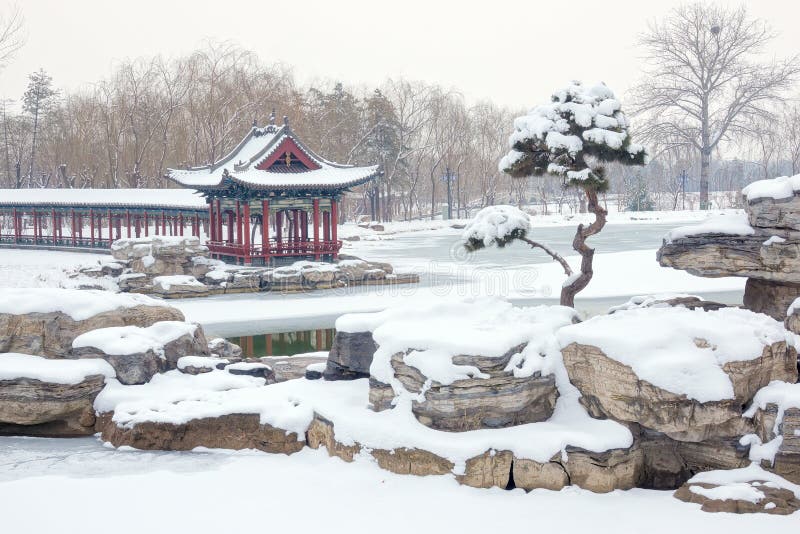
(580, 281)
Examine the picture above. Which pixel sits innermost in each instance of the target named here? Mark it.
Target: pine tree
(37, 101)
(571, 137)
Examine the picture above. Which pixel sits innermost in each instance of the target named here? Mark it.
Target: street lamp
(448, 177)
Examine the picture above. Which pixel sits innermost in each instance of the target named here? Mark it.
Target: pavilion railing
(78, 242)
(275, 249)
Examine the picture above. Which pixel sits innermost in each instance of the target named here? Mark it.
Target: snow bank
(650, 301)
(666, 350)
(727, 224)
(496, 225)
(14, 366)
(775, 188)
(77, 303)
(122, 340)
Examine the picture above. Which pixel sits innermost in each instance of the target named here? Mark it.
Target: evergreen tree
(571, 137)
(37, 101)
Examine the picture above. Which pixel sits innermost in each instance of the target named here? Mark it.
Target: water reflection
(285, 343)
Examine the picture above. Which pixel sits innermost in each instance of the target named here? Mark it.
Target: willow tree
(582, 128)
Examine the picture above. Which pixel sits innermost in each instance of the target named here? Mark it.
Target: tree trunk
(577, 283)
(705, 165)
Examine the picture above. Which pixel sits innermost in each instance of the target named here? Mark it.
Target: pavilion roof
(245, 166)
(103, 198)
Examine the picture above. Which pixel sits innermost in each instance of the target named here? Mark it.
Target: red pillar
(334, 225)
(246, 232)
(218, 211)
(110, 227)
(230, 227)
(180, 223)
(238, 223)
(35, 227)
(146, 224)
(196, 229)
(212, 224)
(326, 226)
(265, 230)
(16, 225)
(295, 228)
(315, 220)
(128, 222)
(91, 226)
(279, 228)
(53, 225)
(74, 237)
(304, 225)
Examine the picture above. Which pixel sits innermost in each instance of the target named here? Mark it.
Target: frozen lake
(625, 265)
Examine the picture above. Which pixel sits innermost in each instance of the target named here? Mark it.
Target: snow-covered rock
(137, 353)
(775, 411)
(45, 397)
(45, 321)
(685, 373)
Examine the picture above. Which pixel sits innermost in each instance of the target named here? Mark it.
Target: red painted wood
(74, 237)
(315, 218)
(279, 227)
(287, 145)
(334, 223)
(246, 233)
(211, 222)
(91, 225)
(326, 225)
(265, 229)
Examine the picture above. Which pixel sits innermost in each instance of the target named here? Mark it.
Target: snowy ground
(88, 488)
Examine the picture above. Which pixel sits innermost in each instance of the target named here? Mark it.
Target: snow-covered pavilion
(271, 197)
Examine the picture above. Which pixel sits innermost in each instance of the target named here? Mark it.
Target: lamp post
(448, 177)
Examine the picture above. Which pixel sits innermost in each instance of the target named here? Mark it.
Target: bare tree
(12, 35)
(704, 83)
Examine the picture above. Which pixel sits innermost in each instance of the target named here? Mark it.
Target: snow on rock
(739, 491)
(78, 304)
(774, 188)
(123, 340)
(726, 224)
(200, 362)
(680, 350)
(166, 282)
(14, 366)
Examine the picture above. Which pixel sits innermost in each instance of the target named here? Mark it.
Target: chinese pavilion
(272, 198)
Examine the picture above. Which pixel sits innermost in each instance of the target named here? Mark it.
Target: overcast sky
(512, 52)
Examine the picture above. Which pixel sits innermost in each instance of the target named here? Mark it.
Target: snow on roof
(155, 198)
(775, 188)
(79, 304)
(14, 366)
(240, 166)
(665, 351)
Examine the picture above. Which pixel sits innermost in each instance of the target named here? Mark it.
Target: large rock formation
(45, 321)
(612, 389)
(740, 498)
(41, 397)
(179, 267)
(764, 247)
(494, 399)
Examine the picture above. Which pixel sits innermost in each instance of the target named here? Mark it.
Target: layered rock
(776, 415)
(765, 248)
(496, 399)
(231, 431)
(46, 321)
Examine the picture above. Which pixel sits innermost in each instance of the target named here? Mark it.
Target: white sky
(512, 52)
